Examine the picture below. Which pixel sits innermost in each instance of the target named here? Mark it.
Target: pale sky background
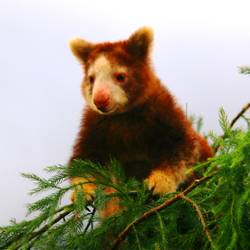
(198, 47)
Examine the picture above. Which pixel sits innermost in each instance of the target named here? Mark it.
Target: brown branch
(48, 226)
(152, 211)
(19, 236)
(241, 113)
(201, 218)
(45, 228)
(63, 215)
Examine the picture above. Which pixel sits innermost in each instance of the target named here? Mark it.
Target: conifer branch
(44, 229)
(35, 235)
(156, 209)
(137, 239)
(245, 70)
(235, 119)
(201, 218)
(71, 226)
(240, 114)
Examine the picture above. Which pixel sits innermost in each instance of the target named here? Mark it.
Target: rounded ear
(140, 42)
(80, 48)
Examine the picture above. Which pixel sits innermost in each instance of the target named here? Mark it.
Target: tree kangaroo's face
(114, 72)
(104, 84)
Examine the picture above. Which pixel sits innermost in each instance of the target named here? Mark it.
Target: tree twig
(19, 236)
(243, 110)
(152, 211)
(201, 218)
(45, 228)
(90, 222)
(48, 226)
(235, 119)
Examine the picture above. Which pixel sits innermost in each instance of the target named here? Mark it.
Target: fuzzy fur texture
(149, 133)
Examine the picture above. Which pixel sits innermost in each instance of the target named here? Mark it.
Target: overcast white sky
(198, 47)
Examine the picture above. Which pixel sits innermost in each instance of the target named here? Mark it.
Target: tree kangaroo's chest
(137, 137)
(129, 134)
(137, 142)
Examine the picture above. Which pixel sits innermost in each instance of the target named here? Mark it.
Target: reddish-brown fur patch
(112, 206)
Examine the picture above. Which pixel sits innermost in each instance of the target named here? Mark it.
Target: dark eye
(120, 77)
(91, 79)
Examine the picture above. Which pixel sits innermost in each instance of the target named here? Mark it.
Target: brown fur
(152, 137)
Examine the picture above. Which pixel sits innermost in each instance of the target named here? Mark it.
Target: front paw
(161, 182)
(111, 207)
(88, 189)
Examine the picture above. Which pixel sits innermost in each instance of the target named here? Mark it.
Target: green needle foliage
(245, 70)
(213, 213)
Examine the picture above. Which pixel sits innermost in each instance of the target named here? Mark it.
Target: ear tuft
(139, 43)
(80, 48)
